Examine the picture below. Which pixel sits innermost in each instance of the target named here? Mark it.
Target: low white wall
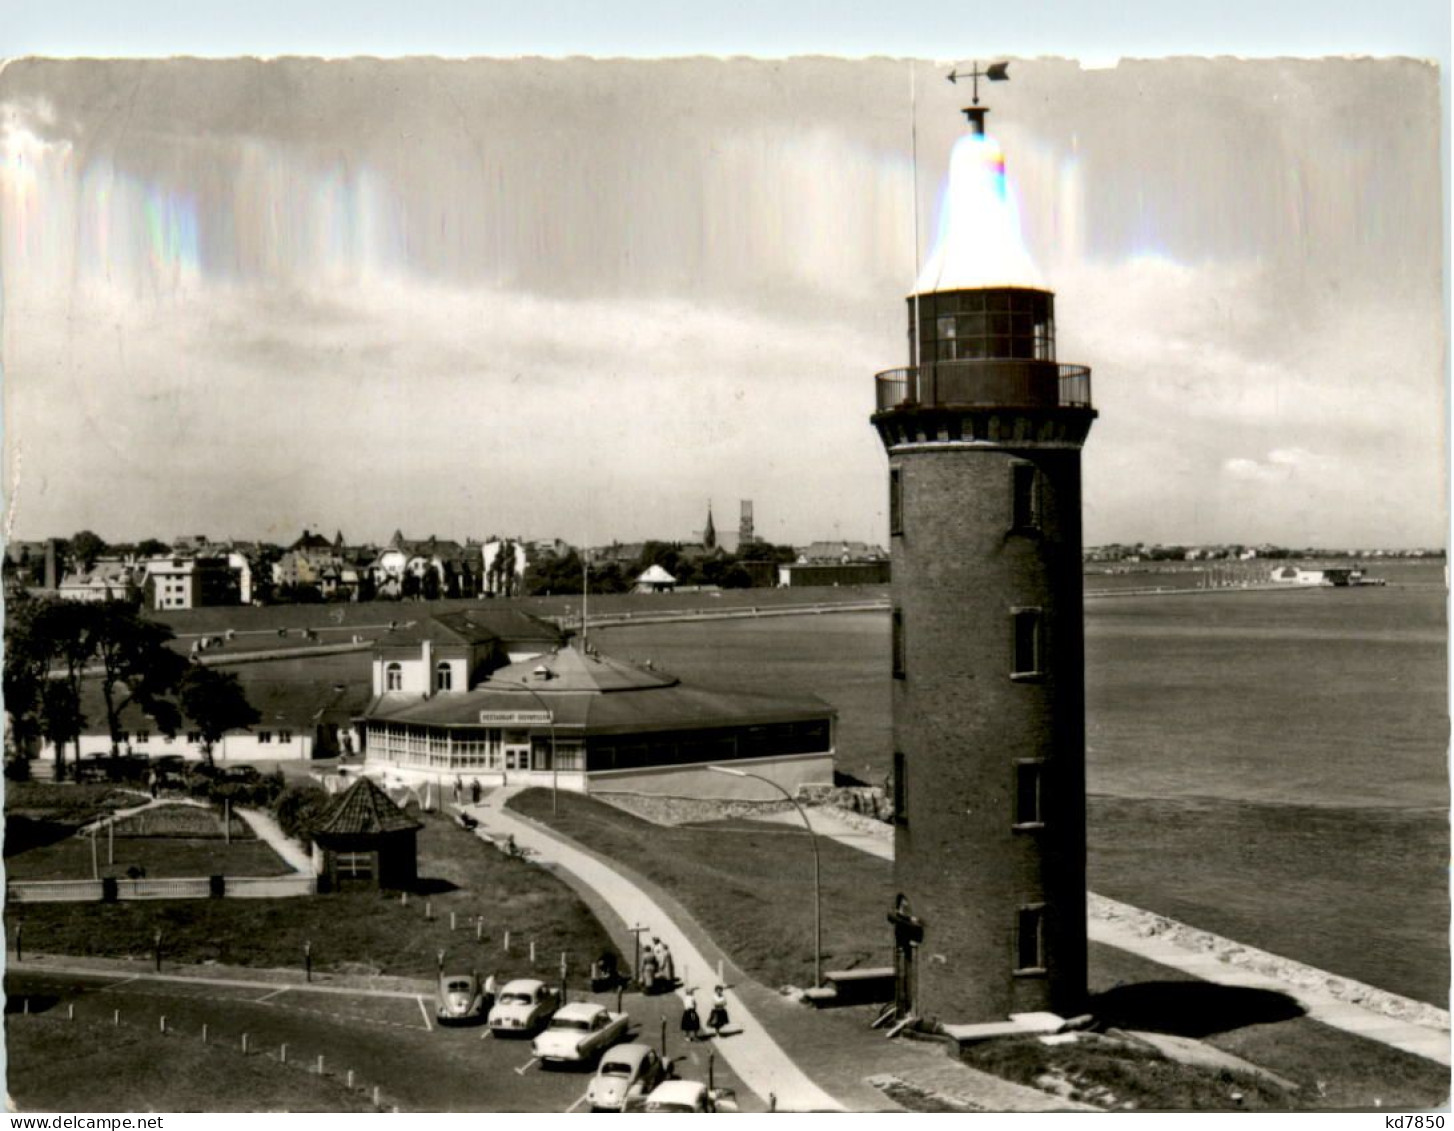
(698, 781)
(413, 776)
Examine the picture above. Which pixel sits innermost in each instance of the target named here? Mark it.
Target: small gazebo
(655, 580)
(365, 841)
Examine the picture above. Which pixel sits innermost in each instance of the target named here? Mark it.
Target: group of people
(459, 790)
(658, 972)
(717, 1019)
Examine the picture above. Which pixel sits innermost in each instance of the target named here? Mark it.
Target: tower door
(905, 980)
(908, 934)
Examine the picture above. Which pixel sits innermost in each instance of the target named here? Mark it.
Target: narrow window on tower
(1029, 777)
(1030, 940)
(1029, 648)
(899, 644)
(1025, 497)
(901, 808)
(896, 501)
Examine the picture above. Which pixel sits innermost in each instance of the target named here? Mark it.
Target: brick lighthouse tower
(983, 432)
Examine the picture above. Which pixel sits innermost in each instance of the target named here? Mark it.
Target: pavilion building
(573, 718)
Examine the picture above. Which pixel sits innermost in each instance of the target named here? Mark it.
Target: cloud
(459, 410)
(546, 297)
(1279, 466)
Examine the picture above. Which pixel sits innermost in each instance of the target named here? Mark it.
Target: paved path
(148, 803)
(752, 1053)
(1319, 1004)
(267, 829)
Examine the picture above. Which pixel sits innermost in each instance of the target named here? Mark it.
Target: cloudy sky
(581, 298)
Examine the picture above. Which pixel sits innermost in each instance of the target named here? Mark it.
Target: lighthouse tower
(983, 432)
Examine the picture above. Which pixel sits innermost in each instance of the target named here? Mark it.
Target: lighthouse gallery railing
(1009, 383)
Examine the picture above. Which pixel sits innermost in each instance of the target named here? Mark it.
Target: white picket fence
(192, 887)
(53, 891)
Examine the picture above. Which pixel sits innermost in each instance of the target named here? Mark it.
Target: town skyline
(582, 297)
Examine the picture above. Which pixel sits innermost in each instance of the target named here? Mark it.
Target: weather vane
(995, 72)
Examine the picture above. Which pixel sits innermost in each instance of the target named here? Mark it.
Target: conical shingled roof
(365, 809)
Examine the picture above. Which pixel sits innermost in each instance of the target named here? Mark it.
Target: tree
(554, 573)
(736, 577)
(137, 664)
(27, 660)
(300, 809)
(766, 552)
(429, 584)
(215, 703)
(151, 548)
(610, 578)
(500, 576)
(86, 547)
(65, 636)
(61, 720)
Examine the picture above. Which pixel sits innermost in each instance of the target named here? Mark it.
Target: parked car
(579, 1032)
(522, 1006)
(244, 774)
(461, 999)
(683, 1095)
(171, 771)
(93, 770)
(625, 1072)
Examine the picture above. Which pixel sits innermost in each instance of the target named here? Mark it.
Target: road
(388, 1040)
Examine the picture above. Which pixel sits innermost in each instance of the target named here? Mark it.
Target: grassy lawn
(64, 1066)
(39, 814)
(366, 932)
(1397, 875)
(752, 892)
(158, 857)
(73, 805)
(188, 821)
(749, 884)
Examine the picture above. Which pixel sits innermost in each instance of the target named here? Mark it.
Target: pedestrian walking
(475, 791)
(492, 989)
(691, 1022)
(151, 782)
(648, 973)
(666, 968)
(718, 1020)
(458, 789)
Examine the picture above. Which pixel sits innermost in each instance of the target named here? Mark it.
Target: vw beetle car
(523, 1006)
(578, 1032)
(683, 1095)
(625, 1072)
(461, 999)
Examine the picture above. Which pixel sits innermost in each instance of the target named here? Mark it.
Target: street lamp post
(817, 866)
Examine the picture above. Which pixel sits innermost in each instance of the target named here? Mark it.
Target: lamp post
(817, 866)
(550, 722)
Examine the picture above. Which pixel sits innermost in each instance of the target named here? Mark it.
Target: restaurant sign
(513, 718)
